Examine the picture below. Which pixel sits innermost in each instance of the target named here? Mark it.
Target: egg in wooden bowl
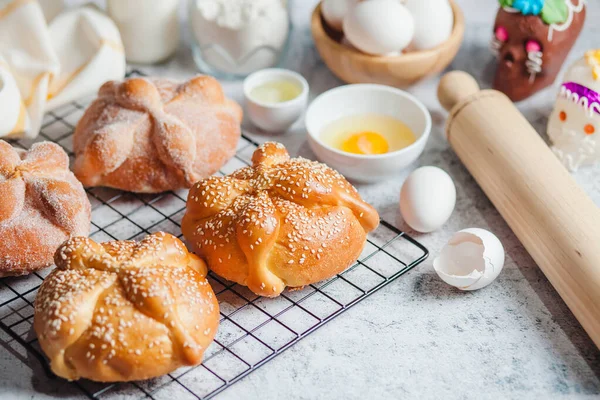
(398, 69)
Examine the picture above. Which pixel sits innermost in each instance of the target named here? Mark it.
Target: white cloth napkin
(28, 56)
(54, 64)
(51, 8)
(90, 52)
(14, 117)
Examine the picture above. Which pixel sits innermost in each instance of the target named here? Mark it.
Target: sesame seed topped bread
(122, 311)
(280, 222)
(42, 204)
(151, 135)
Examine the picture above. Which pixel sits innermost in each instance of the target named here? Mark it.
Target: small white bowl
(276, 117)
(367, 99)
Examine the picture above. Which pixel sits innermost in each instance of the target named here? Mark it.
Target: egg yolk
(368, 143)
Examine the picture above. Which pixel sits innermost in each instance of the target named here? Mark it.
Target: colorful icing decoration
(531, 40)
(550, 11)
(593, 59)
(500, 37)
(574, 125)
(534, 59)
(528, 7)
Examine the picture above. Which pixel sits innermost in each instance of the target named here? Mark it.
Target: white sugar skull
(574, 126)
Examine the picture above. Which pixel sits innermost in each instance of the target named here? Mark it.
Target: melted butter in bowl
(276, 91)
(368, 134)
(275, 98)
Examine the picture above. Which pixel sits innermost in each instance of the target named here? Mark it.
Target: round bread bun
(42, 204)
(151, 135)
(124, 311)
(281, 222)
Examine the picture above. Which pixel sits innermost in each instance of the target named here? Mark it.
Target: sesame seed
(127, 274)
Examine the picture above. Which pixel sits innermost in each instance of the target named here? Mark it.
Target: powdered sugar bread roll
(151, 135)
(42, 204)
(123, 311)
(280, 222)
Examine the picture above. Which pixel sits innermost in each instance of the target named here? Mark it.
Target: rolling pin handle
(454, 87)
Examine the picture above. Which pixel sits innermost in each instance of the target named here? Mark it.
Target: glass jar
(233, 38)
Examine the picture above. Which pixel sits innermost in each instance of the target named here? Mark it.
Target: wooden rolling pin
(556, 221)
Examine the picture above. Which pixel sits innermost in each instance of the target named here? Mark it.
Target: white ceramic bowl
(276, 117)
(366, 99)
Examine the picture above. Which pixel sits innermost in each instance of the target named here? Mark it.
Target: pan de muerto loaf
(42, 204)
(123, 311)
(151, 135)
(281, 222)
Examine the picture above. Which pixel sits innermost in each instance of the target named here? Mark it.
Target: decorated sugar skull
(574, 125)
(531, 40)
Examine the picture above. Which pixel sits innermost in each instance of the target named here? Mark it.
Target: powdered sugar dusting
(151, 135)
(52, 207)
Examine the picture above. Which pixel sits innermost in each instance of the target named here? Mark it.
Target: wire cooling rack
(253, 330)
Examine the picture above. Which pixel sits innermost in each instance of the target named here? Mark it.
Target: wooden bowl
(353, 66)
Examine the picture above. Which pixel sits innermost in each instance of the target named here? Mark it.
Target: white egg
(472, 259)
(427, 199)
(379, 27)
(334, 12)
(434, 21)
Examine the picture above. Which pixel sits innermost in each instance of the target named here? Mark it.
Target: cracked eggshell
(472, 259)
(334, 12)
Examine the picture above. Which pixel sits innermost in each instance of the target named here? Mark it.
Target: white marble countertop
(418, 337)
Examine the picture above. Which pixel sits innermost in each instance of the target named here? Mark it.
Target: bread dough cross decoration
(269, 225)
(155, 283)
(39, 172)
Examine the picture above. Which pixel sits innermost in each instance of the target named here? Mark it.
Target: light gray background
(418, 337)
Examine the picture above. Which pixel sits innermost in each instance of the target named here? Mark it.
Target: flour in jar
(240, 36)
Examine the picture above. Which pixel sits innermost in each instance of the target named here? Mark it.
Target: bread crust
(281, 222)
(123, 311)
(42, 204)
(150, 135)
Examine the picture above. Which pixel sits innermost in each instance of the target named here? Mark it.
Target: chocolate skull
(531, 46)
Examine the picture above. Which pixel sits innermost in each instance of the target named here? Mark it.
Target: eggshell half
(472, 259)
